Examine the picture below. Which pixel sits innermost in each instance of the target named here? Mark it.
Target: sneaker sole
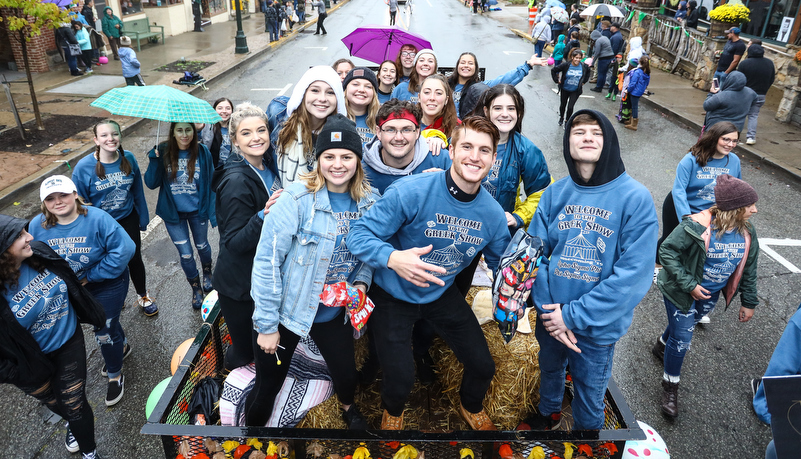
(74, 449)
(103, 369)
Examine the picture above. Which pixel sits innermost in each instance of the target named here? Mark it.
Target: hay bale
(513, 393)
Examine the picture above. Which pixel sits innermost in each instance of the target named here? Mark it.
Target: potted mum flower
(731, 14)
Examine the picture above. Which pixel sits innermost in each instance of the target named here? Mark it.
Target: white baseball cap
(56, 184)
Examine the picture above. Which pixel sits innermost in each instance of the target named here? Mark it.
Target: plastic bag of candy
(513, 280)
(357, 305)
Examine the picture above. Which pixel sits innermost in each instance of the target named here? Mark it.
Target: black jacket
(559, 73)
(692, 19)
(65, 35)
(22, 361)
(89, 14)
(241, 194)
(609, 166)
(759, 71)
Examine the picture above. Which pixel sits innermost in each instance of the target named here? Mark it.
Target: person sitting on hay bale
(419, 236)
(598, 227)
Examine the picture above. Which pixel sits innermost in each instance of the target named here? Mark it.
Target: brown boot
(633, 125)
(390, 422)
(670, 399)
(477, 421)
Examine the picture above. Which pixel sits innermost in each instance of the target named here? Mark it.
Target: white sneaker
(750, 141)
(656, 274)
(704, 320)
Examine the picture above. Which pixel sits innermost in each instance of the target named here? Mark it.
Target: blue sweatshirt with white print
(694, 185)
(417, 211)
(785, 361)
(95, 245)
(599, 237)
(402, 92)
(117, 193)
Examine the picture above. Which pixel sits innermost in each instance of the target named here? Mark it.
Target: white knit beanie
(322, 73)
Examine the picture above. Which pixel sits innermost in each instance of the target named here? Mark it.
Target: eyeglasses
(408, 54)
(404, 132)
(729, 141)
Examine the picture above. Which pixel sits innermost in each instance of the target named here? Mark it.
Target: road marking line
(764, 244)
(513, 52)
(317, 47)
(281, 91)
(151, 226)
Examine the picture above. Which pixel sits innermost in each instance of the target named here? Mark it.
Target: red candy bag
(357, 304)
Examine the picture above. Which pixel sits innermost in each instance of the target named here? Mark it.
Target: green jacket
(683, 255)
(110, 24)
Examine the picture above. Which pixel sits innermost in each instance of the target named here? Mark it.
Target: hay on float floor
(511, 397)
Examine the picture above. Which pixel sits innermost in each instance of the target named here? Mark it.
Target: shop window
(130, 7)
(161, 2)
(212, 7)
(770, 17)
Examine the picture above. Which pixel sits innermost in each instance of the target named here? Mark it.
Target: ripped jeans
(179, 233)
(65, 392)
(679, 331)
(111, 294)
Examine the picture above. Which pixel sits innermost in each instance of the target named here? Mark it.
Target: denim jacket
(292, 258)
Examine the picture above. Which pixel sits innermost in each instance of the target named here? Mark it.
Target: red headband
(404, 115)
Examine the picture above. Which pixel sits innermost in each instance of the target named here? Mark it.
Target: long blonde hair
(359, 186)
(372, 110)
(727, 220)
(288, 134)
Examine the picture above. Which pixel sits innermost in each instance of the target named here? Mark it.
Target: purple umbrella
(379, 43)
(59, 3)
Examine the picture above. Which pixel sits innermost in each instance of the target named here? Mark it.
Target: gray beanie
(339, 132)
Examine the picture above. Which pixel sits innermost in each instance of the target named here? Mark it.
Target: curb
(677, 118)
(66, 163)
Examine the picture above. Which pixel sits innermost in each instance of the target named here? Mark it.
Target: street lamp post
(241, 39)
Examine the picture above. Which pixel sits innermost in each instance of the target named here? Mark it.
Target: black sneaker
(595, 89)
(115, 391)
(754, 386)
(354, 418)
(536, 421)
(93, 455)
(126, 351)
(70, 442)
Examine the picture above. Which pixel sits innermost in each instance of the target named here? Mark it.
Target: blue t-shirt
(364, 131)
(457, 95)
(722, 258)
(573, 78)
(117, 193)
(383, 97)
(694, 186)
(225, 146)
(490, 182)
(183, 191)
(343, 263)
(95, 245)
(402, 92)
(42, 306)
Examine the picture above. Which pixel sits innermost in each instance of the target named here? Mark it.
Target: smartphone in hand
(715, 83)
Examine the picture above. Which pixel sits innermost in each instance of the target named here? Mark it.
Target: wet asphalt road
(716, 418)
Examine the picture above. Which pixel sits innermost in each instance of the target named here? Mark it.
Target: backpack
(189, 78)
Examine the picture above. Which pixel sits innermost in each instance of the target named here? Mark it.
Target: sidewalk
(22, 172)
(777, 143)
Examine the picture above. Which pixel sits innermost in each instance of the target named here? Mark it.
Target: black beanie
(339, 132)
(363, 73)
(732, 193)
(10, 227)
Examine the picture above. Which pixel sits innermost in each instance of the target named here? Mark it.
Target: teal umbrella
(158, 102)
(161, 103)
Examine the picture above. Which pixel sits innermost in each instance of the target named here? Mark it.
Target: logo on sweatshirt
(581, 255)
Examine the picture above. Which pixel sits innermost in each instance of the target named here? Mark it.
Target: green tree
(25, 19)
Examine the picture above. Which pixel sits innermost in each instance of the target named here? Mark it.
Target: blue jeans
(111, 294)
(753, 114)
(635, 105)
(679, 331)
(720, 75)
(603, 67)
(272, 27)
(590, 370)
(538, 47)
(72, 61)
(179, 233)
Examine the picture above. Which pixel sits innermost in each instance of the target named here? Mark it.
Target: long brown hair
(300, 117)
(171, 155)
(707, 145)
(359, 186)
(372, 109)
(448, 115)
(414, 78)
(51, 219)
(486, 99)
(125, 165)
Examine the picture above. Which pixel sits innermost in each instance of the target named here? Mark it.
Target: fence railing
(671, 36)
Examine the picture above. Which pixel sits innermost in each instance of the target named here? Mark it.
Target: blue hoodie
(381, 176)
(599, 237)
(130, 64)
(118, 194)
(95, 245)
(786, 360)
(417, 211)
